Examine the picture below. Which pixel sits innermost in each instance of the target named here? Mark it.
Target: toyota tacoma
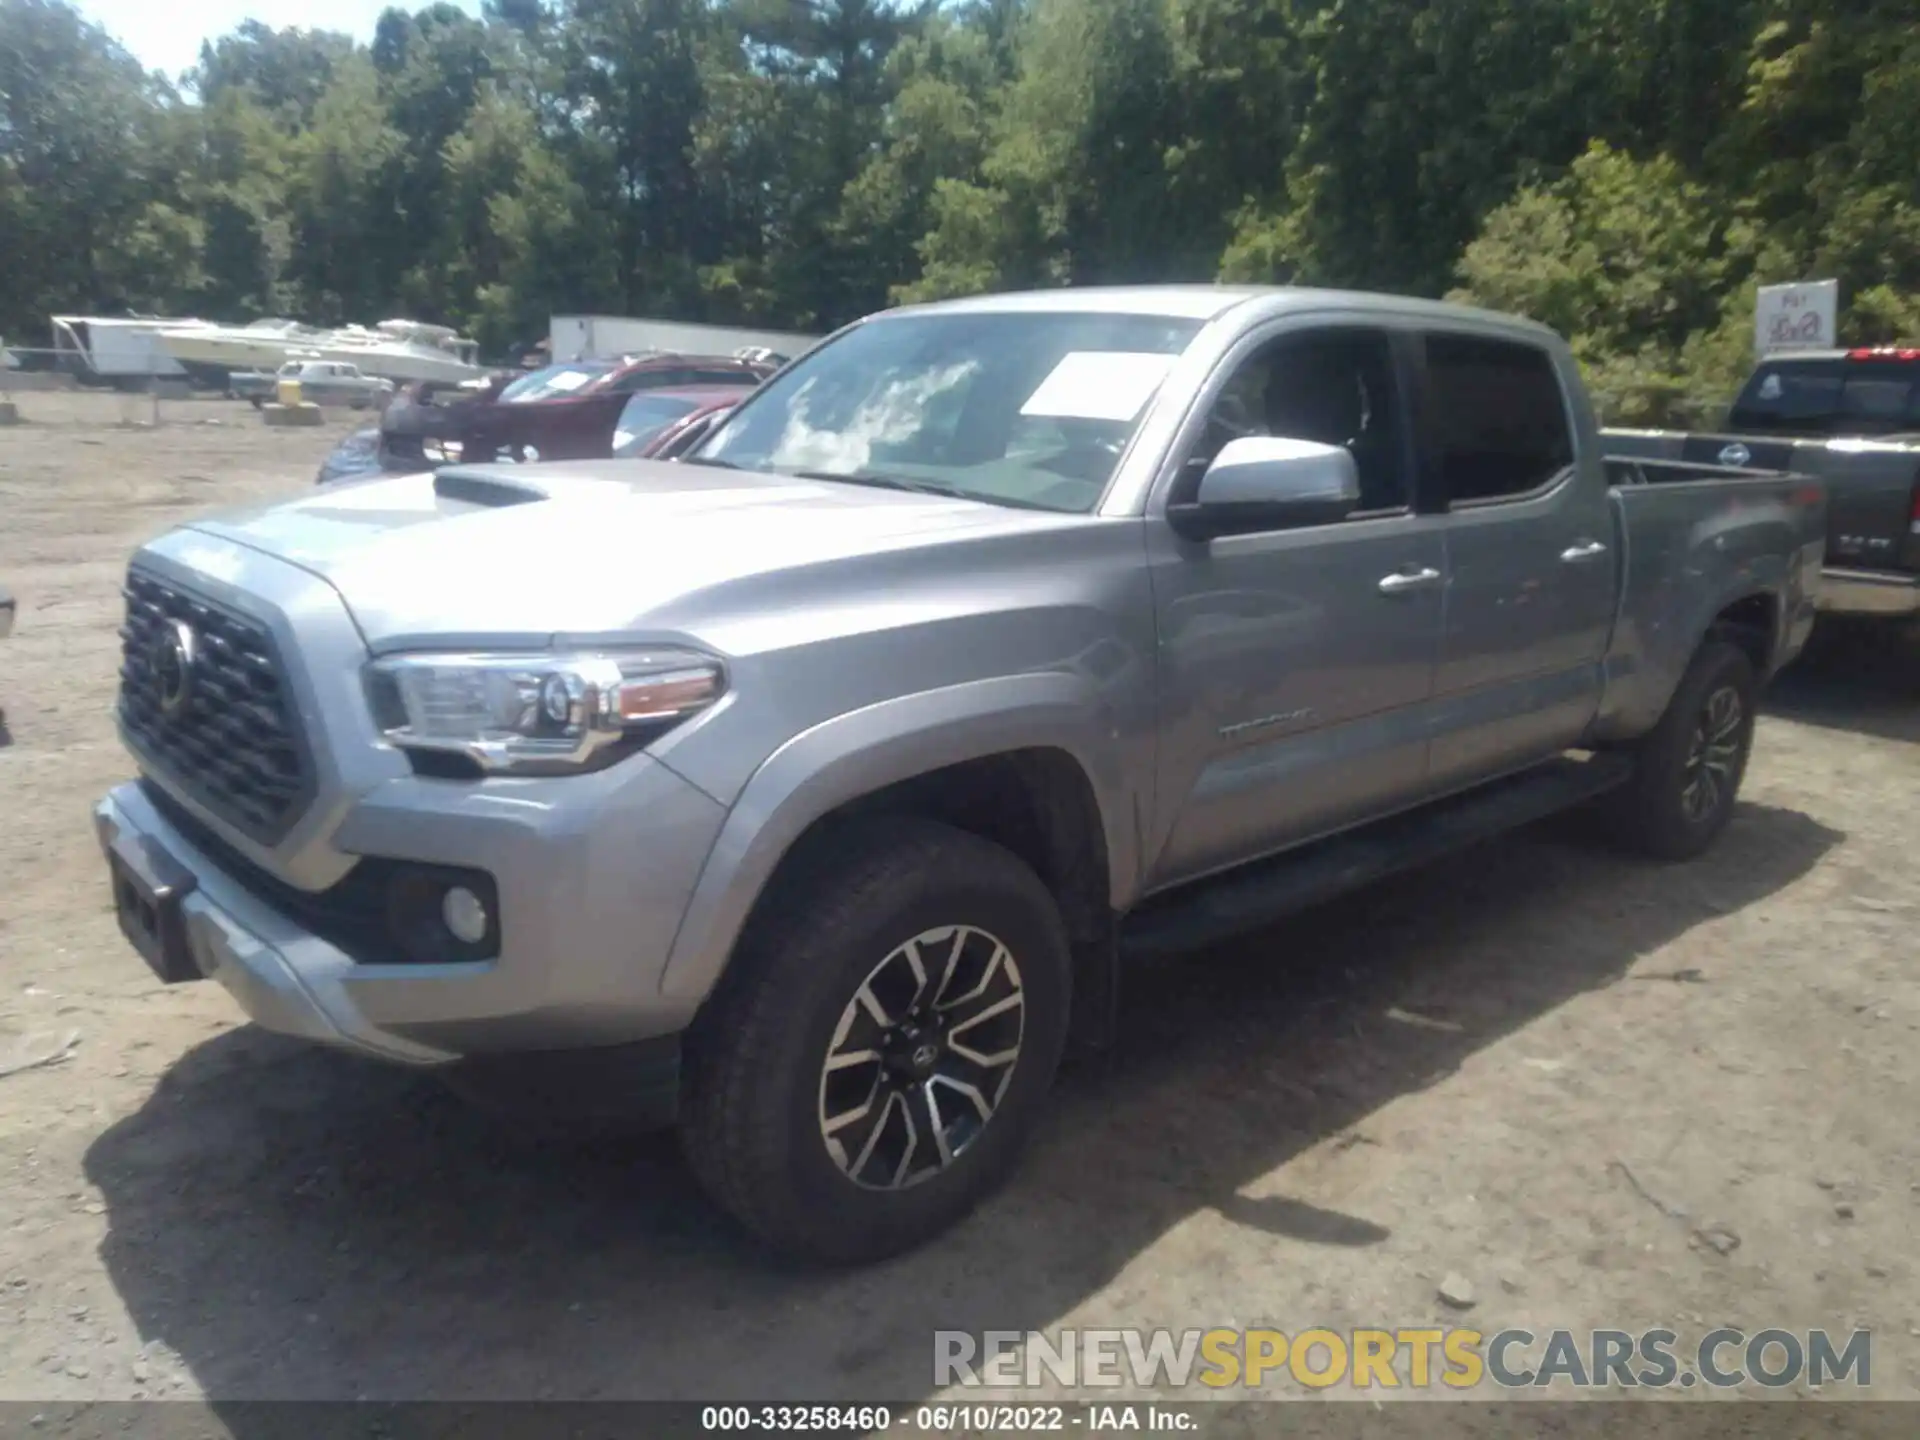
(808, 793)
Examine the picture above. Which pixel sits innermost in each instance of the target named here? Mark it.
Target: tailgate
(1872, 506)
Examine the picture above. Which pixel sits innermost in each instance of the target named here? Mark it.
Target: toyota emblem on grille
(1735, 454)
(173, 660)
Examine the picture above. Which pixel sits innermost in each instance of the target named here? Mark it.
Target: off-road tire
(752, 1098)
(1648, 814)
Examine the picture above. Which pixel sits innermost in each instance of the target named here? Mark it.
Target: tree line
(1625, 170)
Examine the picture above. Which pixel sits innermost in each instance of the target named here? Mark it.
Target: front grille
(229, 734)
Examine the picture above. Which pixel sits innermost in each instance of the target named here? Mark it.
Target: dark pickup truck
(1850, 418)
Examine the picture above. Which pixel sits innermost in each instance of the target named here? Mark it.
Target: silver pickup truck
(810, 791)
(1850, 418)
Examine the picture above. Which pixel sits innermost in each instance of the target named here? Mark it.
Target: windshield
(554, 380)
(645, 416)
(1012, 408)
(1831, 397)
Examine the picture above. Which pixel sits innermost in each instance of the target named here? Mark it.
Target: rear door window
(1499, 424)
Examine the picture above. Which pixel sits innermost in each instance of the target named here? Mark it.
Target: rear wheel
(1688, 769)
(882, 1043)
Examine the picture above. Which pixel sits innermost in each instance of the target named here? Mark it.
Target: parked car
(322, 382)
(683, 435)
(808, 792)
(567, 411)
(355, 456)
(652, 424)
(651, 417)
(1852, 418)
(573, 412)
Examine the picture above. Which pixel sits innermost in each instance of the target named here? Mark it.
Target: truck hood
(594, 548)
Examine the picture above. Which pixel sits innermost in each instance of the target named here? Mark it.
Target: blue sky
(166, 34)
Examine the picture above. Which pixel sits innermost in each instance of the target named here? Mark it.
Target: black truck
(1852, 419)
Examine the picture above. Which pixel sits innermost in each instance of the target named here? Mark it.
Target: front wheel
(1688, 769)
(881, 1044)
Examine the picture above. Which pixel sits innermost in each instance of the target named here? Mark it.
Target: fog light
(464, 915)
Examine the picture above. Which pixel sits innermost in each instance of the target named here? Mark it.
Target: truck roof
(1207, 302)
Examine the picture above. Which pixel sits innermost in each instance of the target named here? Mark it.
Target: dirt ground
(1573, 1080)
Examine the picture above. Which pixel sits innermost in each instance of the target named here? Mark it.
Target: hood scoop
(490, 491)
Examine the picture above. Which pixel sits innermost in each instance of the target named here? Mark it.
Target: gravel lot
(1573, 1080)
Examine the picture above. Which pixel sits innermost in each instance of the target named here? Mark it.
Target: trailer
(126, 353)
(581, 337)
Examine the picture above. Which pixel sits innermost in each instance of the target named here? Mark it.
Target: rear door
(1530, 543)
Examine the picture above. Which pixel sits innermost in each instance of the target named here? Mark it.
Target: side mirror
(1266, 482)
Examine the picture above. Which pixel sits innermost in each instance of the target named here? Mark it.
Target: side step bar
(1258, 894)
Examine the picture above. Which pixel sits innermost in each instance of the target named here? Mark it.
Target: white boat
(393, 350)
(262, 345)
(406, 350)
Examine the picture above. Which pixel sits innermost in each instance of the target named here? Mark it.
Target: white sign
(1796, 317)
(1099, 385)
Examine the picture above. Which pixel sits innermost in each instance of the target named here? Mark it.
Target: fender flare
(866, 750)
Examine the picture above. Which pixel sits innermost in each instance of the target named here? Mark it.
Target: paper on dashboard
(1098, 385)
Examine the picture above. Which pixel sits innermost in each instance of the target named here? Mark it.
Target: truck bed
(1696, 538)
(1873, 485)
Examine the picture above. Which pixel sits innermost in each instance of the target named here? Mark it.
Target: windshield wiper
(713, 464)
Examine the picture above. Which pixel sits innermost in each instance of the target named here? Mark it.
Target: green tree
(337, 201)
(1628, 258)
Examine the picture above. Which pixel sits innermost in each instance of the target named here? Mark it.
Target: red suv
(570, 411)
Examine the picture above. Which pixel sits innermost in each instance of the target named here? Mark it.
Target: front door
(1530, 540)
(1293, 664)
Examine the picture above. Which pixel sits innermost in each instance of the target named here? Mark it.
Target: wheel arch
(1021, 761)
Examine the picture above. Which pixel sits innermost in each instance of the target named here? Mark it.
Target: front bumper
(590, 897)
(1887, 593)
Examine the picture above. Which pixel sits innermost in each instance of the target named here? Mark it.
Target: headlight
(536, 713)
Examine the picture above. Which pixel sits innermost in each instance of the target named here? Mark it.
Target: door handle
(1406, 580)
(1585, 550)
